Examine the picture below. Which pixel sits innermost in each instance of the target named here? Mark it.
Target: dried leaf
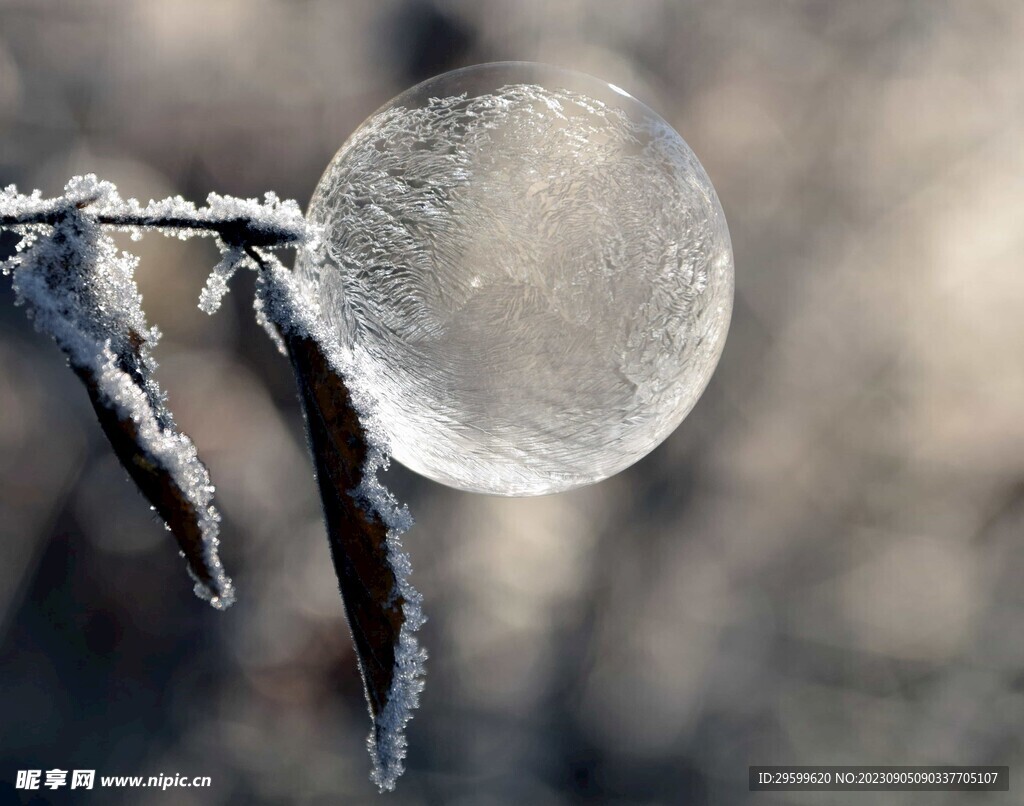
(156, 480)
(80, 291)
(364, 522)
(358, 541)
(364, 558)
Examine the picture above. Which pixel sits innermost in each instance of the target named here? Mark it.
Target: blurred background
(822, 565)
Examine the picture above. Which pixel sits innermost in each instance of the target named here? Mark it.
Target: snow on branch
(80, 291)
(238, 222)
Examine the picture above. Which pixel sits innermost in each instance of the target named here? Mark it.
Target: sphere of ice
(530, 274)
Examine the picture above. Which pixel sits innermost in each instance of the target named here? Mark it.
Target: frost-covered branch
(237, 230)
(82, 293)
(237, 222)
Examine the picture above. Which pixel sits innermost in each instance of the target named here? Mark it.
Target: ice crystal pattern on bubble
(533, 286)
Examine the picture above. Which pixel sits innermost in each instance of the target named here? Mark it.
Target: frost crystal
(217, 284)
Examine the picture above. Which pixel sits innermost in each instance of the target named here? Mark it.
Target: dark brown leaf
(155, 479)
(358, 539)
(364, 522)
(372, 588)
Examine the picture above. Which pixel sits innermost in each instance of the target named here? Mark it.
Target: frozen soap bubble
(530, 274)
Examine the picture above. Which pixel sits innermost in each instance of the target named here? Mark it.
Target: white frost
(212, 295)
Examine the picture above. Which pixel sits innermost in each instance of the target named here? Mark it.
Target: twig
(238, 231)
